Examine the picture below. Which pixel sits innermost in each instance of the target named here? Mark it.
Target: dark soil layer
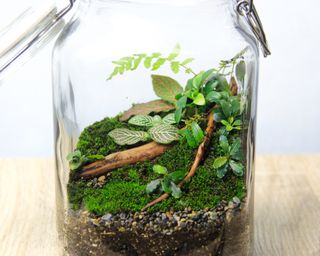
(171, 233)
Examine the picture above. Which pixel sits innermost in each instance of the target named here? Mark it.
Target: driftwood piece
(199, 156)
(123, 158)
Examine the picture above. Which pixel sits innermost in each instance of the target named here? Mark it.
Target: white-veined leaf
(164, 133)
(123, 136)
(169, 119)
(141, 120)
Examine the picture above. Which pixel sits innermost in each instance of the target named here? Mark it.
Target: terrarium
(155, 111)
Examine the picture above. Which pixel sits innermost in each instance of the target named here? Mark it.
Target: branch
(123, 158)
(199, 156)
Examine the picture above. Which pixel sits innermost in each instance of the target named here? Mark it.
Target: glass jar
(155, 114)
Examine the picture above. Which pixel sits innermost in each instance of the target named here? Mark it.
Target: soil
(159, 234)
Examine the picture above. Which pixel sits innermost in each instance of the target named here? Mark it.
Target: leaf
(199, 100)
(238, 122)
(123, 136)
(175, 190)
(175, 53)
(141, 120)
(187, 61)
(213, 96)
(175, 67)
(160, 169)
(169, 119)
(224, 122)
(166, 88)
(221, 172)
(164, 133)
(146, 108)
(153, 186)
(235, 106)
(224, 144)
(158, 63)
(166, 184)
(206, 75)
(241, 71)
(197, 132)
(177, 176)
(190, 139)
(74, 155)
(210, 86)
(137, 62)
(220, 161)
(114, 73)
(237, 168)
(156, 120)
(197, 81)
(235, 147)
(147, 62)
(226, 108)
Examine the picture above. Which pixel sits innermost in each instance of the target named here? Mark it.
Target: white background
(288, 110)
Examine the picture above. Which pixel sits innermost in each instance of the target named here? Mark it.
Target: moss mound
(125, 187)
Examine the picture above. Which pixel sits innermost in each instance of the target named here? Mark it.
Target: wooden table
(287, 206)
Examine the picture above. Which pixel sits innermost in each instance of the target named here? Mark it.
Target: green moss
(125, 189)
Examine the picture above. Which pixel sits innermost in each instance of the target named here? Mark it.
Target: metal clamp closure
(247, 9)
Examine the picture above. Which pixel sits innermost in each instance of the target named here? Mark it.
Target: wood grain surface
(287, 206)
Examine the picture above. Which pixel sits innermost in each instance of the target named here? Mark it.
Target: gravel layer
(169, 233)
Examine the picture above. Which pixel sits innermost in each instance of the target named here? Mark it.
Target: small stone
(122, 229)
(236, 201)
(122, 216)
(102, 179)
(107, 217)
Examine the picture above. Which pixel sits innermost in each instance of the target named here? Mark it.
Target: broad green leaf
(241, 71)
(199, 100)
(220, 161)
(238, 122)
(169, 119)
(175, 190)
(213, 96)
(175, 67)
(177, 176)
(146, 108)
(166, 88)
(123, 136)
(221, 172)
(226, 108)
(158, 63)
(210, 86)
(190, 139)
(224, 144)
(166, 184)
(189, 85)
(224, 122)
(175, 53)
(153, 186)
(236, 167)
(75, 165)
(207, 75)
(74, 155)
(235, 106)
(164, 133)
(141, 120)
(160, 169)
(147, 62)
(229, 127)
(197, 132)
(187, 61)
(197, 81)
(235, 147)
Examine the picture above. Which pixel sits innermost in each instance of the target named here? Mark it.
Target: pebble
(107, 217)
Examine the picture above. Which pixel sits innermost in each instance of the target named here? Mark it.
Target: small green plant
(193, 134)
(161, 131)
(168, 183)
(230, 158)
(154, 62)
(77, 160)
